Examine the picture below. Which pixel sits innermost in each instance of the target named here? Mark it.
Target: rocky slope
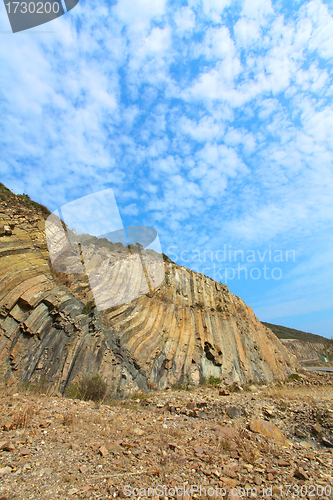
(187, 329)
(309, 350)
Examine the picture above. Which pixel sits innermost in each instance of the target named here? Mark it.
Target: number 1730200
(32, 7)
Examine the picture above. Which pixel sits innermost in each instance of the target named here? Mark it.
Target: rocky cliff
(188, 328)
(309, 350)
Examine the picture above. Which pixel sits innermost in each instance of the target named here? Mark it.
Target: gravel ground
(261, 442)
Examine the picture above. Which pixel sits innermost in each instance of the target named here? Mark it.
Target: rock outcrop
(308, 350)
(188, 328)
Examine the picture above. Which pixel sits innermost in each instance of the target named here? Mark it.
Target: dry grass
(176, 433)
(23, 418)
(69, 419)
(301, 392)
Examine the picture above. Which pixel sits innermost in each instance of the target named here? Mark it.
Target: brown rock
(103, 451)
(75, 447)
(8, 426)
(6, 446)
(300, 433)
(305, 444)
(269, 430)
(5, 470)
(25, 452)
(300, 473)
(269, 412)
(191, 405)
(229, 481)
(138, 431)
(198, 450)
(226, 432)
(73, 491)
(283, 463)
(327, 442)
(257, 479)
(272, 471)
(224, 392)
(316, 428)
(234, 412)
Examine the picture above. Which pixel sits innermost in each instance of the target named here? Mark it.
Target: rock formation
(189, 328)
(308, 350)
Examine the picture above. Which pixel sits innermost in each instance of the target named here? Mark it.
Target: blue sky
(211, 120)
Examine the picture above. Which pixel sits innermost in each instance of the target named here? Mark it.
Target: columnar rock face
(190, 327)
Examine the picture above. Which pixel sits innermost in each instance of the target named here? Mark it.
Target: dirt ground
(268, 442)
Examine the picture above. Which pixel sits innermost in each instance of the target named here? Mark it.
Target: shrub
(219, 309)
(183, 385)
(88, 388)
(88, 307)
(294, 376)
(69, 418)
(41, 386)
(214, 381)
(22, 418)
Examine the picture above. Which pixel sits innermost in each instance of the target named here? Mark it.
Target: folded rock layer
(189, 328)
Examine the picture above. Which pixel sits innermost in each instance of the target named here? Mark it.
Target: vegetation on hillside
(21, 199)
(283, 332)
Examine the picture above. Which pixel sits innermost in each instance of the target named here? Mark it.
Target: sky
(211, 121)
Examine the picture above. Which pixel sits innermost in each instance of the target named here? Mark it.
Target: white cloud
(138, 15)
(204, 130)
(246, 31)
(131, 209)
(257, 9)
(321, 39)
(185, 20)
(214, 8)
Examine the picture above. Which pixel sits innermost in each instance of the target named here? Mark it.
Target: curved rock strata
(191, 327)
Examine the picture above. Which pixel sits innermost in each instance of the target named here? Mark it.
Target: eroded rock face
(307, 350)
(190, 327)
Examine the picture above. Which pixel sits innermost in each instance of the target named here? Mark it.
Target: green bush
(88, 388)
(219, 309)
(294, 376)
(38, 387)
(88, 307)
(183, 385)
(214, 381)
